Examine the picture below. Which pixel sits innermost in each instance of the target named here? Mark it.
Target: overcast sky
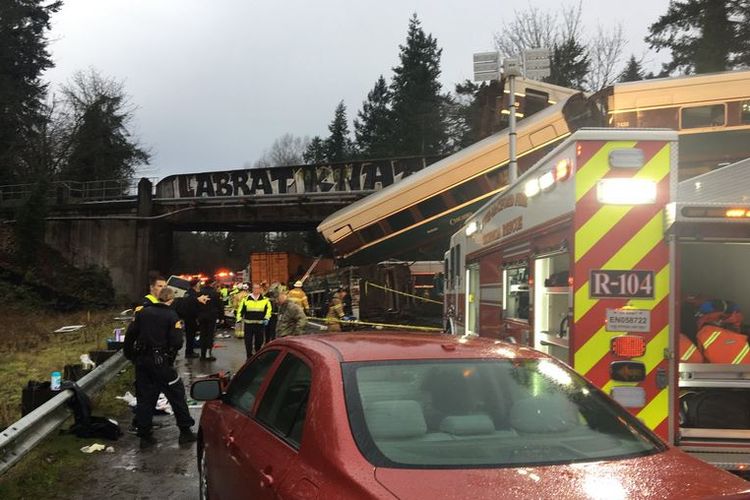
(216, 81)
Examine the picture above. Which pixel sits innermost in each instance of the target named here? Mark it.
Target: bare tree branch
(605, 51)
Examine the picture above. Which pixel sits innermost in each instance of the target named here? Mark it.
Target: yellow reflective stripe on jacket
(152, 299)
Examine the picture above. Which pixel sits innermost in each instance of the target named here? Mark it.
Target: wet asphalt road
(169, 471)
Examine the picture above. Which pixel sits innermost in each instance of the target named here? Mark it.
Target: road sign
(536, 63)
(486, 66)
(511, 66)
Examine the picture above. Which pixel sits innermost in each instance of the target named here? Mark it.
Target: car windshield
(485, 413)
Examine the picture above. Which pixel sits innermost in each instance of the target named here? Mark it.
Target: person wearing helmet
(299, 297)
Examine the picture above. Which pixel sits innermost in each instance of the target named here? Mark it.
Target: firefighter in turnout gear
(255, 313)
(152, 343)
(299, 297)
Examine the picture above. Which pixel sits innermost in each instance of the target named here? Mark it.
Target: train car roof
(435, 170)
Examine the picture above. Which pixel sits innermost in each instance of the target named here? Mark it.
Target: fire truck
(590, 257)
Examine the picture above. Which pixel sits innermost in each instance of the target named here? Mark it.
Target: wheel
(202, 474)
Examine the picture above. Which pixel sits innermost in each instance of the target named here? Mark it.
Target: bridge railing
(64, 192)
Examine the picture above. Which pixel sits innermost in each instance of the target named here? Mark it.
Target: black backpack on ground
(715, 409)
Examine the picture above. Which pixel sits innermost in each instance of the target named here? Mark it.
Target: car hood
(668, 475)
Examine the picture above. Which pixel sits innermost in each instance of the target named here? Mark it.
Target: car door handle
(266, 479)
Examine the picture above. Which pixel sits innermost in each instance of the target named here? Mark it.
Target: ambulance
(597, 256)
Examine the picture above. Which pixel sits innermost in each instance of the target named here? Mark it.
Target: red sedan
(365, 416)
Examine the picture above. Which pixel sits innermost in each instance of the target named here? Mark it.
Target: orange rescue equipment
(689, 352)
(724, 346)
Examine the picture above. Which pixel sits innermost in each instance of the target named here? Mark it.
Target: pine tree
(703, 35)
(23, 24)
(633, 71)
(339, 145)
(569, 65)
(315, 151)
(102, 147)
(372, 127)
(419, 115)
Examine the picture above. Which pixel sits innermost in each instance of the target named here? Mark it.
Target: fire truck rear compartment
(715, 270)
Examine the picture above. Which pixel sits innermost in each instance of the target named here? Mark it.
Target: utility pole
(512, 69)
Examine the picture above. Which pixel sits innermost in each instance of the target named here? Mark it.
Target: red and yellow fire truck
(590, 257)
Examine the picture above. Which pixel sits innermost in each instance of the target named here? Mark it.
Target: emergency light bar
(715, 212)
(628, 191)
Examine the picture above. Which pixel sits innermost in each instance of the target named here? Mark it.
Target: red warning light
(628, 346)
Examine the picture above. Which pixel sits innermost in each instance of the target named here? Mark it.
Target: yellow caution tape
(386, 325)
(369, 283)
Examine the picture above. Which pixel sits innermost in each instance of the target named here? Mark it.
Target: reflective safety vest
(689, 352)
(150, 300)
(254, 311)
(724, 346)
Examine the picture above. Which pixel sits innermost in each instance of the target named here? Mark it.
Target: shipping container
(284, 267)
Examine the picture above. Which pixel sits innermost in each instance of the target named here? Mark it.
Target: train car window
(432, 206)
(400, 220)
(745, 112)
(468, 191)
(657, 118)
(373, 232)
(703, 116)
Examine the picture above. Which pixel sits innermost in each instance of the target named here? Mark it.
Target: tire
(202, 474)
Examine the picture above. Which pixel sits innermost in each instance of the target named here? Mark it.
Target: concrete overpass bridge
(128, 227)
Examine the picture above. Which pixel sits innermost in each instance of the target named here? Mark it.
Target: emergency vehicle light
(532, 188)
(737, 212)
(628, 191)
(562, 170)
(547, 180)
(628, 346)
(472, 228)
(715, 212)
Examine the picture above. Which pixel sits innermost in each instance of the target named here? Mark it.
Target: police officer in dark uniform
(152, 343)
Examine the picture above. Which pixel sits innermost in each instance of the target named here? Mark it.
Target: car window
(485, 413)
(244, 387)
(284, 405)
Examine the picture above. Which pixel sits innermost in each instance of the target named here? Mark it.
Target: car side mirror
(206, 390)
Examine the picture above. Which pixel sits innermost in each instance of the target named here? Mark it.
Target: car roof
(379, 346)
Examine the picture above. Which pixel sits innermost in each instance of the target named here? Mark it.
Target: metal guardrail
(22, 436)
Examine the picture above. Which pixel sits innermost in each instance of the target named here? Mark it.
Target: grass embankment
(29, 350)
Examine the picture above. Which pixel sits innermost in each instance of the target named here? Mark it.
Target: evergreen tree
(338, 146)
(419, 114)
(24, 57)
(102, 147)
(703, 35)
(315, 151)
(372, 127)
(569, 65)
(633, 71)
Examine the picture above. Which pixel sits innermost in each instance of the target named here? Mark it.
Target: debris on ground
(162, 404)
(94, 448)
(69, 329)
(87, 362)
